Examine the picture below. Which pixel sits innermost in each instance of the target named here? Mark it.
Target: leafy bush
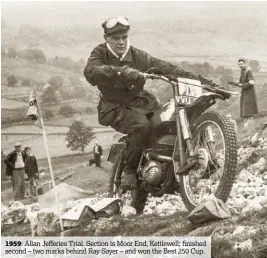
(66, 111)
(88, 110)
(11, 80)
(255, 65)
(67, 63)
(26, 82)
(12, 52)
(35, 55)
(80, 92)
(66, 94)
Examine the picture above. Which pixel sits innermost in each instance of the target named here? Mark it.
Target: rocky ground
(244, 234)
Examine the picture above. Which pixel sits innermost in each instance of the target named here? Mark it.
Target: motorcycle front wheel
(215, 142)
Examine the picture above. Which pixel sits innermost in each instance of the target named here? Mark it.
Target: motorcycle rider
(114, 67)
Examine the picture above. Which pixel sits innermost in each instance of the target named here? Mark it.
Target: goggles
(112, 22)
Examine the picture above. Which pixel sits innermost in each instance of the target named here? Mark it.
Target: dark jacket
(10, 162)
(99, 150)
(248, 99)
(97, 73)
(31, 166)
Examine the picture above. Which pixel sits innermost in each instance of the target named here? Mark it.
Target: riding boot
(129, 179)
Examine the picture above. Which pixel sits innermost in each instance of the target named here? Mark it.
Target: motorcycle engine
(152, 173)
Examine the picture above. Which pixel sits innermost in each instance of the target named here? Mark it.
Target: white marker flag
(33, 113)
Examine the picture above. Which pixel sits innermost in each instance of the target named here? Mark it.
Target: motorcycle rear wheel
(229, 170)
(138, 196)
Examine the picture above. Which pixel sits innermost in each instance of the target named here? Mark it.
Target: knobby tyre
(230, 157)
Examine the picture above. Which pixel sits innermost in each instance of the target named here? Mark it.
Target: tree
(35, 55)
(56, 82)
(49, 96)
(79, 136)
(75, 81)
(11, 80)
(225, 79)
(48, 114)
(66, 111)
(208, 69)
(220, 69)
(255, 65)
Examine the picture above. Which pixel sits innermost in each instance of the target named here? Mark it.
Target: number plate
(188, 92)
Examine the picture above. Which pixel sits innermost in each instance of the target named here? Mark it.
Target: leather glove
(132, 79)
(213, 84)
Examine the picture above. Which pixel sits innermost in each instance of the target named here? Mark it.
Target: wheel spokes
(203, 180)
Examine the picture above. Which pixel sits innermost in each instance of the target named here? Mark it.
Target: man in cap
(114, 67)
(15, 162)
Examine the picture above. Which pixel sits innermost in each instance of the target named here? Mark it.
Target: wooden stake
(48, 158)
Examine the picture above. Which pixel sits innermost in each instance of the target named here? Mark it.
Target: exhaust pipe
(162, 158)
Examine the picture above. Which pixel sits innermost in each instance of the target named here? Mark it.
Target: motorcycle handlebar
(174, 81)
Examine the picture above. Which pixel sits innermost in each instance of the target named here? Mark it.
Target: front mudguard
(200, 105)
(116, 148)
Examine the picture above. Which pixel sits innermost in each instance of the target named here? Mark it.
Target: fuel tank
(164, 113)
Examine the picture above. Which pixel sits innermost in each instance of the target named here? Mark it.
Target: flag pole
(48, 157)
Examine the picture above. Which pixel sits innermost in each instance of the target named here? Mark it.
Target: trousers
(139, 132)
(97, 159)
(33, 186)
(18, 183)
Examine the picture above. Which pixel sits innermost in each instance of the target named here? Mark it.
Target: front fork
(210, 140)
(184, 136)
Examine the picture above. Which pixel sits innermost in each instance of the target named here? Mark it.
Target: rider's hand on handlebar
(215, 85)
(132, 75)
(131, 78)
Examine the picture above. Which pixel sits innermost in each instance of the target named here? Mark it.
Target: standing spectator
(15, 162)
(232, 121)
(3, 166)
(248, 99)
(31, 170)
(97, 150)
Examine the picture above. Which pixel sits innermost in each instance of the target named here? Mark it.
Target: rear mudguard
(116, 148)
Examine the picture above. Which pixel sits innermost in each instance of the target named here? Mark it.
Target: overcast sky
(63, 13)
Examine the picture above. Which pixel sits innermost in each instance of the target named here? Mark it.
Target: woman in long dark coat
(248, 99)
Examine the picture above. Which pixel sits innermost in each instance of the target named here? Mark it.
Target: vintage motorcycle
(194, 153)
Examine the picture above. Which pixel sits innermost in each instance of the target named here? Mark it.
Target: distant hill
(173, 39)
(192, 37)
